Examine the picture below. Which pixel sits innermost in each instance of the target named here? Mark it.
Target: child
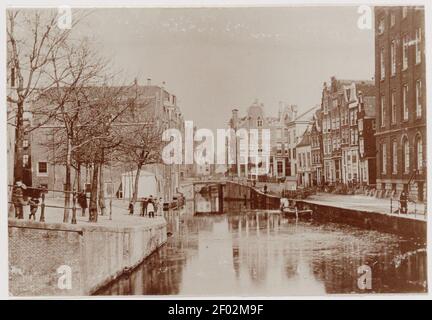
(151, 207)
(34, 203)
(131, 208)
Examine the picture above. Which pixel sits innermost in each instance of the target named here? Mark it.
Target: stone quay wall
(61, 259)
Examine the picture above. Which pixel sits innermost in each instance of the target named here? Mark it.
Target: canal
(260, 253)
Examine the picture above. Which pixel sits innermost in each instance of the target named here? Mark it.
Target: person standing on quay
(18, 199)
(34, 203)
(82, 201)
(151, 207)
(404, 202)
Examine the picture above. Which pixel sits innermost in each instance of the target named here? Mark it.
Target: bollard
(74, 198)
(42, 216)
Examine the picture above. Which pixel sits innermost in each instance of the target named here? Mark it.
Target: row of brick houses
(374, 132)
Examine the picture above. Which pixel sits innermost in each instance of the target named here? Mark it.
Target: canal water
(260, 253)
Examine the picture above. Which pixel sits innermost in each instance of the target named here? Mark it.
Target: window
(25, 143)
(418, 99)
(360, 125)
(404, 12)
(393, 57)
(286, 133)
(381, 26)
(405, 45)
(382, 63)
(392, 19)
(280, 167)
(418, 46)
(419, 147)
(383, 111)
(384, 158)
(279, 148)
(286, 148)
(405, 101)
(259, 122)
(42, 167)
(394, 157)
(361, 146)
(25, 160)
(406, 153)
(393, 107)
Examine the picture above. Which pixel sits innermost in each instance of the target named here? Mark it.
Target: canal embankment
(47, 258)
(371, 214)
(359, 211)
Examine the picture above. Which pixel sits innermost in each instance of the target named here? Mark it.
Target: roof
(308, 114)
(305, 141)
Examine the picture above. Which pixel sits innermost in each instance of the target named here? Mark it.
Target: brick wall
(96, 255)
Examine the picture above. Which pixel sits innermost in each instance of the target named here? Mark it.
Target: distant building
(279, 157)
(366, 130)
(295, 130)
(400, 78)
(304, 161)
(316, 149)
(49, 172)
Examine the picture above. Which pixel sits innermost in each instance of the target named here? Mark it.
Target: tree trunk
(19, 138)
(78, 173)
(136, 184)
(93, 213)
(67, 188)
(101, 191)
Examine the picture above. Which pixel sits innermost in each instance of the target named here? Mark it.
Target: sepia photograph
(249, 151)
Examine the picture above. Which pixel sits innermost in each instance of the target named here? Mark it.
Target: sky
(218, 59)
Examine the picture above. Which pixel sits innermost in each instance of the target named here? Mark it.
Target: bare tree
(104, 114)
(142, 143)
(33, 41)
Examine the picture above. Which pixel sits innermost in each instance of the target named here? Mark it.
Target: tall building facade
(316, 149)
(304, 160)
(48, 169)
(401, 100)
(340, 133)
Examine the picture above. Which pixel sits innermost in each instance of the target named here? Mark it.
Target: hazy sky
(219, 58)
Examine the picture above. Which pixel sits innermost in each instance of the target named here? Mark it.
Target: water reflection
(252, 252)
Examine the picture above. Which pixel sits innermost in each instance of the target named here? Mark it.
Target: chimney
(234, 118)
(149, 81)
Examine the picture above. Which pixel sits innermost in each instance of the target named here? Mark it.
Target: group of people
(149, 206)
(31, 196)
(19, 200)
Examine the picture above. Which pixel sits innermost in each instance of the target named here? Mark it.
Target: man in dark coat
(82, 201)
(18, 199)
(403, 202)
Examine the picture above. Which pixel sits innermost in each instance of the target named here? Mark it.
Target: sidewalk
(120, 215)
(365, 203)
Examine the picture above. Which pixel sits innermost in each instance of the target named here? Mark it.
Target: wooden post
(42, 216)
(74, 199)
